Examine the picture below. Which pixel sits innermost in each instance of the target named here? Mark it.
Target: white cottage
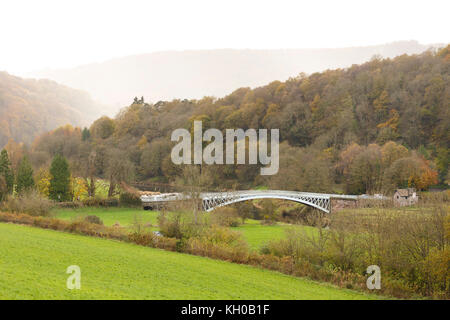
(405, 197)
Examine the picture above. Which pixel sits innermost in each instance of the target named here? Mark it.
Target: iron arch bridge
(212, 200)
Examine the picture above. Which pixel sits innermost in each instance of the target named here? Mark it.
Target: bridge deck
(211, 200)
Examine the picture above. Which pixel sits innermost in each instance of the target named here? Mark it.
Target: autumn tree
(412, 171)
(15, 153)
(365, 171)
(119, 169)
(152, 158)
(43, 178)
(102, 128)
(194, 181)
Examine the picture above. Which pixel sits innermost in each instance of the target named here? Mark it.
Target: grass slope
(109, 216)
(33, 264)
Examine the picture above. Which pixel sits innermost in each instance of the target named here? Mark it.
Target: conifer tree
(25, 181)
(60, 179)
(6, 171)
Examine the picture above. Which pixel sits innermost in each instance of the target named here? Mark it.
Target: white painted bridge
(212, 200)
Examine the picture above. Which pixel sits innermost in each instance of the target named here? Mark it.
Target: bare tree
(195, 181)
(119, 169)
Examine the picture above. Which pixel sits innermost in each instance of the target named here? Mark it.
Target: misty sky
(52, 34)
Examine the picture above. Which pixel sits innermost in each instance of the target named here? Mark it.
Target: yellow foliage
(43, 178)
(142, 142)
(437, 268)
(447, 227)
(314, 105)
(392, 122)
(79, 188)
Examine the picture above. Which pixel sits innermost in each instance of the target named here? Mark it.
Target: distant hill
(194, 74)
(30, 107)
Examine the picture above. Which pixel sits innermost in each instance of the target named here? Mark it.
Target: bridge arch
(322, 203)
(212, 200)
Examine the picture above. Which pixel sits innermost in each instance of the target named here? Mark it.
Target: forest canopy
(367, 128)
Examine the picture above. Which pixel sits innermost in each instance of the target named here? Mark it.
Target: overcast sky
(63, 33)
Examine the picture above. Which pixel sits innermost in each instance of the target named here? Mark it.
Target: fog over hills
(194, 74)
(29, 107)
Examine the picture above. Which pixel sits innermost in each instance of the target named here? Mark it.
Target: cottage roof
(405, 192)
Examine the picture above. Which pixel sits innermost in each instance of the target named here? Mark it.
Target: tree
(85, 134)
(3, 189)
(442, 163)
(15, 153)
(60, 179)
(391, 152)
(152, 157)
(120, 169)
(102, 128)
(365, 171)
(6, 171)
(90, 173)
(244, 210)
(43, 178)
(25, 181)
(412, 171)
(195, 180)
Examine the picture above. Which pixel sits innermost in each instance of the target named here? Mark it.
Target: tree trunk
(112, 187)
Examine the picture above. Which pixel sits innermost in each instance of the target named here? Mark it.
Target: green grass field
(254, 233)
(109, 216)
(257, 235)
(33, 263)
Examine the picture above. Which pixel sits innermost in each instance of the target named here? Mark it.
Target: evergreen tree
(60, 180)
(6, 171)
(25, 179)
(85, 134)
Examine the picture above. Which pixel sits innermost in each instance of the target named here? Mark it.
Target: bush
(69, 204)
(31, 203)
(98, 202)
(110, 202)
(302, 214)
(79, 226)
(170, 225)
(93, 219)
(181, 225)
(128, 199)
(225, 216)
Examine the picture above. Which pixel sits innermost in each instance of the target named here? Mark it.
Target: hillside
(338, 126)
(194, 74)
(30, 107)
(115, 270)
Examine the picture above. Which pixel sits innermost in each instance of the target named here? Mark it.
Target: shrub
(77, 226)
(98, 202)
(181, 225)
(110, 202)
(128, 199)
(69, 204)
(222, 235)
(225, 216)
(302, 214)
(170, 225)
(437, 267)
(31, 203)
(93, 219)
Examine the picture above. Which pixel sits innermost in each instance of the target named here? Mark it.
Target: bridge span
(212, 200)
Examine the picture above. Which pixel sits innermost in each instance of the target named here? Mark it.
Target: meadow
(253, 232)
(117, 270)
